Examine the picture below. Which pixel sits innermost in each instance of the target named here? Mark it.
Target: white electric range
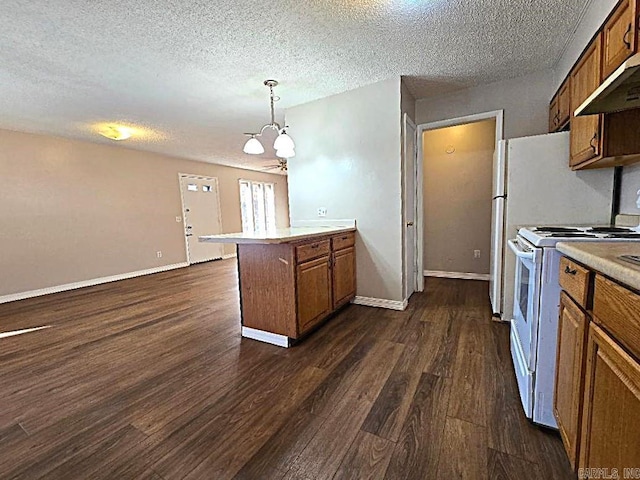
(534, 326)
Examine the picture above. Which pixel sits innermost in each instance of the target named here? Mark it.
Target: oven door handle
(520, 253)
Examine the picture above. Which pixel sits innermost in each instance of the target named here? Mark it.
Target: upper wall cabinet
(560, 108)
(602, 140)
(620, 36)
(586, 131)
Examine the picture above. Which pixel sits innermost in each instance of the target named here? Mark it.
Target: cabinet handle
(594, 147)
(345, 238)
(315, 246)
(624, 38)
(569, 271)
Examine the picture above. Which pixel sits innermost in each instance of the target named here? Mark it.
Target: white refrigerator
(533, 185)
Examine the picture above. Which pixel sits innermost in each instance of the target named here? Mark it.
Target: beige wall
(457, 197)
(73, 211)
(525, 101)
(348, 160)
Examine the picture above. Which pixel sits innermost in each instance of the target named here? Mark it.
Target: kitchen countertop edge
(286, 235)
(603, 257)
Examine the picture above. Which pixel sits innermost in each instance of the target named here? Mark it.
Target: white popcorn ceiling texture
(192, 70)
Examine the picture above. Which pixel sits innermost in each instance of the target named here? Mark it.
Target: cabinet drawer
(309, 251)
(343, 241)
(617, 309)
(574, 279)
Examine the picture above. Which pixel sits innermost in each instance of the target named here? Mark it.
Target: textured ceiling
(191, 71)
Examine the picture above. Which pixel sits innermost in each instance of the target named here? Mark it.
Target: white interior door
(410, 217)
(201, 210)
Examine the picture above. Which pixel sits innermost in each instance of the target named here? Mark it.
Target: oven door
(526, 299)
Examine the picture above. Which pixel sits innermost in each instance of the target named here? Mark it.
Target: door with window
(258, 207)
(201, 210)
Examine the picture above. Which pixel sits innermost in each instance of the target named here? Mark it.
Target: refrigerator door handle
(520, 253)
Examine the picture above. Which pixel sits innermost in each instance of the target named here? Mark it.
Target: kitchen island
(292, 279)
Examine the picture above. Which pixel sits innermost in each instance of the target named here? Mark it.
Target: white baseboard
(88, 283)
(267, 337)
(381, 303)
(229, 255)
(460, 276)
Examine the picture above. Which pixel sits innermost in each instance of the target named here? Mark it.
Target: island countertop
(281, 235)
(603, 257)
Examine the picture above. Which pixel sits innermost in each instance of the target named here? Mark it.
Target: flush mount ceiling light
(284, 146)
(115, 132)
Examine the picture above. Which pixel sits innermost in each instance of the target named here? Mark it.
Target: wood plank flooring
(148, 378)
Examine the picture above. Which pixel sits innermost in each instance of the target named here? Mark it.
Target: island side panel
(267, 287)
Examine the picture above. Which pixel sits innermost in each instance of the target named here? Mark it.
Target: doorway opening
(456, 161)
(201, 216)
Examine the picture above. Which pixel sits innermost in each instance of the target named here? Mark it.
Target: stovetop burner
(556, 229)
(623, 235)
(610, 230)
(572, 235)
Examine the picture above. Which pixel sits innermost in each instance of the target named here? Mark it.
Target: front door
(201, 210)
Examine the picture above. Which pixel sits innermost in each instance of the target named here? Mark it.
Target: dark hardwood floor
(149, 379)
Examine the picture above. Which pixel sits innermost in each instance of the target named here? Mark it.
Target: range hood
(621, 91)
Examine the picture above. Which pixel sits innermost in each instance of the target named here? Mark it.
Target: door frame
(498, 115)
(213, 180)
(418, 279)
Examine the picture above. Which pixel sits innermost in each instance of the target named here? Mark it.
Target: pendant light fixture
(284, 146)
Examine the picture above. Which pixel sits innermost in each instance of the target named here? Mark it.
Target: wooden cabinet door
(619, 37)
(611, 417)
(553, 115)
(564, 103)
(313, 292)
(344, 276)
(569, 374)
(586, 135)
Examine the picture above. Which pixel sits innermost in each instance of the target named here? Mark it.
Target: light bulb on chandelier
(284, 145)
(253, 146)
(286, 153)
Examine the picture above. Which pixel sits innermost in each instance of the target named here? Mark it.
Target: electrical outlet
(178, 219)
(159, 254)
(476, 254)
(322, 211)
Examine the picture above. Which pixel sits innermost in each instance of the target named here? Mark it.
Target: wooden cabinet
(313, 292)
(586, 131)
(611, 411)
(597, 389)
(620, 36)
(553, 115)
(288, 289)
(344, 276)
(560, 108)
(604, 140)
(572, 330)
(564, 104)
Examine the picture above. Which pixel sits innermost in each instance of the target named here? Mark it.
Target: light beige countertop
(281, 235)
(603, 257)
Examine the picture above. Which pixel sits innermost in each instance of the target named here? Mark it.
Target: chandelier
(284, 146)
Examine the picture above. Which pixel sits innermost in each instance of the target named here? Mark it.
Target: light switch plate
(322, 211)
